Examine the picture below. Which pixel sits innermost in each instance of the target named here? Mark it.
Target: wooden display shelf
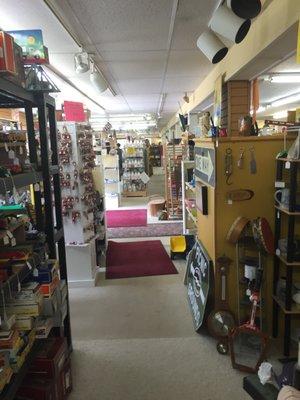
(285, 211)
(290, 264)
(294, 310)
(141, 193)
(287, 160)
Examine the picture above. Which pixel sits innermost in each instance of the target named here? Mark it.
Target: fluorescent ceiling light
(286, 100)
(283, 78)
(259, 110)
(280, 114)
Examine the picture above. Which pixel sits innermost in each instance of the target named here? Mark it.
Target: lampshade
(245, 8)
(212, 47)
(98, 81)
(229, 25)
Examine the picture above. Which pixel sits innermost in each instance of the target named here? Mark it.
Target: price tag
(229, 201)
(11, 154)
(36, 187)
(35, 273)
(29, 265)
(9, 234)
(5, 240)
(6, 147)
(279, 184)
(21, 150)
(287, 165)
(277, 252)
(13, 241)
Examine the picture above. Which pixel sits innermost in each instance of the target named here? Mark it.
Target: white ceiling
(145, 48)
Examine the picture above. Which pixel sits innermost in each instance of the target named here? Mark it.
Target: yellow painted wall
(213, 229)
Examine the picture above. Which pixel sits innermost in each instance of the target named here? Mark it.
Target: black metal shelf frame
(288, 261)
(13, 96)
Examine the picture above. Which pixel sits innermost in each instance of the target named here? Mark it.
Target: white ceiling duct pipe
(229, 25)
(98, 81)
(212, 47)
(82, 62)
(245, 8)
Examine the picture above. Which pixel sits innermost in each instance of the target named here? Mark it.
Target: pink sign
(74, 111)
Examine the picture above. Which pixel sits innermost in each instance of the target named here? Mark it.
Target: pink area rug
(126, 218)
(133, 259)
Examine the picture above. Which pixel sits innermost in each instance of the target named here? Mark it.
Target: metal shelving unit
(47, 173)
(287, 261)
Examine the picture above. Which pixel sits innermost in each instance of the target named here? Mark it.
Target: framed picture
(201, 198)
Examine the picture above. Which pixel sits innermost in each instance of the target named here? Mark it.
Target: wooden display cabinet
(213, 227)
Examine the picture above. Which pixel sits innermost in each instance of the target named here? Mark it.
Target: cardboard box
(37, 389)
(49, 288)
(19, 78)
(43, 327)
(51, 304)
(7, 56)
(51, 358)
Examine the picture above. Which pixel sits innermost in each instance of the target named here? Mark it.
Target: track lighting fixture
(226, 23)
(97, 80)
(82, 62)
(186, 98)
(212, 46)
(245, 8)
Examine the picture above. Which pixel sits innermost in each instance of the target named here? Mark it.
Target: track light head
(212, 47)
(98, 81)
(226, 23)
(82, 62)
(245, 8)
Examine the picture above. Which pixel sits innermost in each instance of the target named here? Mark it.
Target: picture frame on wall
(201, 198)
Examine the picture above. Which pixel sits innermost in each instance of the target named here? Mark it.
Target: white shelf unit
(111, 181)
(133, 171)
(189, 220)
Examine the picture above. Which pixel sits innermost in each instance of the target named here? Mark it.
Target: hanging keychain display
(240, 163)
(228, 165)
(253, 165)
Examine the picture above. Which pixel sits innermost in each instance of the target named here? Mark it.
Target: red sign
(74, 111)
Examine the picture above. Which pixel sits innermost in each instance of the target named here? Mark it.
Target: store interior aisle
(134, 339)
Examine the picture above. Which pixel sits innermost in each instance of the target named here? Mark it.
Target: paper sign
(74, 111)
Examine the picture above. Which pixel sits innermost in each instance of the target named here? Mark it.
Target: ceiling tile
(134, 69)
(125, 25)
(190, 63)
(182, 84)
(140, 86)
(192, 19)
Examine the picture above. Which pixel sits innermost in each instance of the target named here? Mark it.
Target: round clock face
(221, 322)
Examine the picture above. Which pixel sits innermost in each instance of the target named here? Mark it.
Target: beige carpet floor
(134, 340)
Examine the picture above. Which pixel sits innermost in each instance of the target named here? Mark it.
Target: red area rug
(126, 218)
(133, 259)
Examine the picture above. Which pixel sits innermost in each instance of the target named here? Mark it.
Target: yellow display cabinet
(246, 155)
